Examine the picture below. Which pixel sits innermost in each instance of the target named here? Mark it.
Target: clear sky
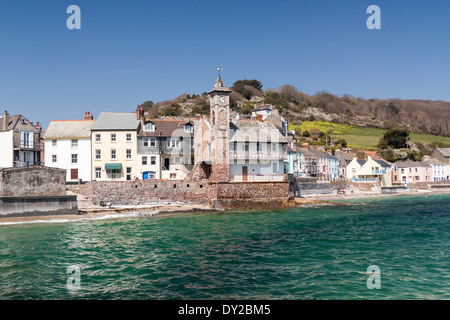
(128, 52)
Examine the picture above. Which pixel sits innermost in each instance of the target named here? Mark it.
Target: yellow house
(370, 170)
(113, 143)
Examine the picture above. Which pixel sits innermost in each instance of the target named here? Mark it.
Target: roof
(255, 131)
(219, 86)
(382, 163)
(18, 122)
(435, 161)
(411, 164)
(59, 129)
(164, 126)
(307, 152)
(445, 151)
(108, 121)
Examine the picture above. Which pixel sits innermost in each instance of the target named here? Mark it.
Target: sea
(374, 248)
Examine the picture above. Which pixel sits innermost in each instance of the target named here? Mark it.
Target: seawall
(37, 206)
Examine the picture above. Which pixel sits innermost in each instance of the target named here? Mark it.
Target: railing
(364, 179)
(257, 155)
(259, 178)
(28, 164)
(26, 145)
(378, 171)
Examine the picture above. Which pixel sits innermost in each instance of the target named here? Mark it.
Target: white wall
(6, 149)
(64, 151)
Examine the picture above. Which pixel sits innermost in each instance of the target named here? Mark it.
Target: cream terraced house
(67, 145)
(370, 170)
(113, 147)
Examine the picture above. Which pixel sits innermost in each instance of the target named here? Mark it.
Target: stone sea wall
(145, 191)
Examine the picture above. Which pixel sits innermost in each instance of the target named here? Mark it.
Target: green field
(361, 137)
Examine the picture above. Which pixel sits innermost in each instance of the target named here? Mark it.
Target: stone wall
(308, 186)
(32, 182)
(145, 192)
(37, 206)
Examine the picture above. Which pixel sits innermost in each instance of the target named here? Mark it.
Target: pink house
(414, 171)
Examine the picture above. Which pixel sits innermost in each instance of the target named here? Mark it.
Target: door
(244, 173)
(74, 174)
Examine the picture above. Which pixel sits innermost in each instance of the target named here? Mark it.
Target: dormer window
(149, 127)
(188, 128)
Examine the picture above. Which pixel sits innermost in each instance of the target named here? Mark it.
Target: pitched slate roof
(59, 129)
(166, 127)
(255, 131)
(445, 152)
(110, 121)
(382, 163)
(18, 122)
(411, 164)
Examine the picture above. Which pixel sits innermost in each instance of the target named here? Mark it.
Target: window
(74, 158)
(177, 160)
(416, 178)
(98, 154)
(113, 137)
(416, 169)
(128, 137)
(98, 173)
(54, 157)
(98, 138)
(144, 161)
(74, 143)
(113, 154)
(189, 128)
(128, 153)
(258, 146)
(149, 142)
(128, 170)
(173, 142)
(149, 127)
(353, 170)
(275, 167)
(173, 176)
(54, 143)
(153, 161)
(402, 171)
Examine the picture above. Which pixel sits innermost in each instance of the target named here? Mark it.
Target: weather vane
(219, 69)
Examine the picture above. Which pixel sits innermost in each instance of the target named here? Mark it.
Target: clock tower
(220, 105)
(220, 131)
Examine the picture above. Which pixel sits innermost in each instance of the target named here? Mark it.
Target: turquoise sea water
(304, 253)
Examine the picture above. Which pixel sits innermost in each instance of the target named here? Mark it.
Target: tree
(342, 142)
(395, 138)
(306, 134)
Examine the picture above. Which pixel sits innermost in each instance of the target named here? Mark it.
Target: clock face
(222, 99)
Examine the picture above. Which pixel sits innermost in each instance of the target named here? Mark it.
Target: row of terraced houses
(131, 146)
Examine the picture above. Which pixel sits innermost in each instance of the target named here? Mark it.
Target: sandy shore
(89, 211)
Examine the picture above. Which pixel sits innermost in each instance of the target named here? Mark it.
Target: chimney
(88, 116)
(259, 117)
(197, 116)
(38, 126)
(5, 120)
(305, 146)
(139, 112)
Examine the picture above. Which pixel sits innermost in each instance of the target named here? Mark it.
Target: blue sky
(128, 52)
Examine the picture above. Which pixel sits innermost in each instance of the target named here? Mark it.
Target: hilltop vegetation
(359, 121)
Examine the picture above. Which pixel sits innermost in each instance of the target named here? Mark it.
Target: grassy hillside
(361, 137)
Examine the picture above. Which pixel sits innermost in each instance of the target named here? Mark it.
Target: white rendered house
(67, 145)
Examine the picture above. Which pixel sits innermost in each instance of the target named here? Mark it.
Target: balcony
(24, 144)
(364, 179)
(258, 155)
(259, 178)
(23, 164)
(378, 171)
